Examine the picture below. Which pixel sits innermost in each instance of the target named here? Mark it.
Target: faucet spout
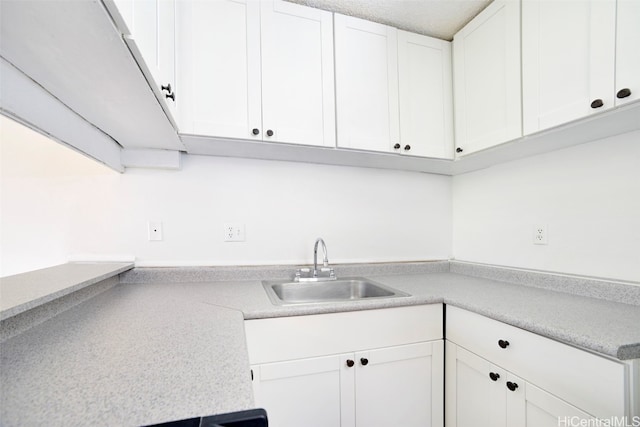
(325, 261)
(321, 274)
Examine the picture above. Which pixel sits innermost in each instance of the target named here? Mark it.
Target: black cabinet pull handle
(171, 96)
(269, 132)
(255, 131)
(350, 363)
(503, 343)
(623, 93)
(364, 361)
(396, 146)
(494, 376)
(167, 87)
(407, 147)
(597, 103)
(459, 150)
(512, 386)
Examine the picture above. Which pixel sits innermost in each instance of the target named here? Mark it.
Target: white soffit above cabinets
(435, 18)
(72, 49)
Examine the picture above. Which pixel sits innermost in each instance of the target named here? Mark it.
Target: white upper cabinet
(297, 74)
(568, 57)
(256, 70)
(366, 56)
(426, 111)
(148, 27)
(218, 59)
(627, 87)
(487, 78)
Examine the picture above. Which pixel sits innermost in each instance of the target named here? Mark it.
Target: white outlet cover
(155, 231)
(540, 234)
(233, 232)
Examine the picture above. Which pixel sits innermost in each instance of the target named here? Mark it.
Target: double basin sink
(341, 290)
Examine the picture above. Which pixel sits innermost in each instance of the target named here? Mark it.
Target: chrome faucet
(325, 261)
(317, 275)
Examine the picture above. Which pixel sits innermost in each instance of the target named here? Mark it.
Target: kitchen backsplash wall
(587, 196)
(362, 214)
(66, 206)
(56, 204)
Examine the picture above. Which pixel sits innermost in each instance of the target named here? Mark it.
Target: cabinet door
(530, 406)
(307, 392)
(486, 70)
(476, 391)
(218, 68)
(297, 74)
(366, 84)
(426, 115)
(568, 50)
(628, 50)
(400, 386)
(154, 35)
(149, 30)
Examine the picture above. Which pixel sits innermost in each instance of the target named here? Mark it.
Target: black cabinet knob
(597, 103)
(350, 363)
(494, 376)
(459, 150)
(396, 146)
(167, 87)
(364, 361)
(503, 343)
(171, 96)
(255, 131)
(269, 132)
(512, 386)
(407, 147)
(623, 93)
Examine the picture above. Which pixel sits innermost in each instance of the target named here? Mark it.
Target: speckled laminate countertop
(25, 291)
(147, 353)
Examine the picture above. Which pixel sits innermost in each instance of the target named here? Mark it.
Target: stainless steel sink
(346, 289)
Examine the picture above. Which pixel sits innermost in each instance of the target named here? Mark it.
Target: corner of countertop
(25, 291)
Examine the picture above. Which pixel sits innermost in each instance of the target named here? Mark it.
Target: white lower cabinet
(500, 375)
(306, 392)
(480, 394)
(400, 386)
(393, 374)
(381, 387)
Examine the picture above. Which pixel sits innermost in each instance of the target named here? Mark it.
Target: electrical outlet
(233, 232)
(155, 230)
(540, 235)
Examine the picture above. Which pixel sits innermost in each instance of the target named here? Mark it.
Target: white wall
(60, 207)
(588, 196)
(362, 214)
(35, 202)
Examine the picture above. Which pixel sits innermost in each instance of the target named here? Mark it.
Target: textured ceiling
(435, 18)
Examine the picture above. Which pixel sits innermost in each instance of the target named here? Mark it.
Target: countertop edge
(65, 290)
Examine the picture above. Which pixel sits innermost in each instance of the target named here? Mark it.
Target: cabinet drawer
(287, 338)
(595, 384)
